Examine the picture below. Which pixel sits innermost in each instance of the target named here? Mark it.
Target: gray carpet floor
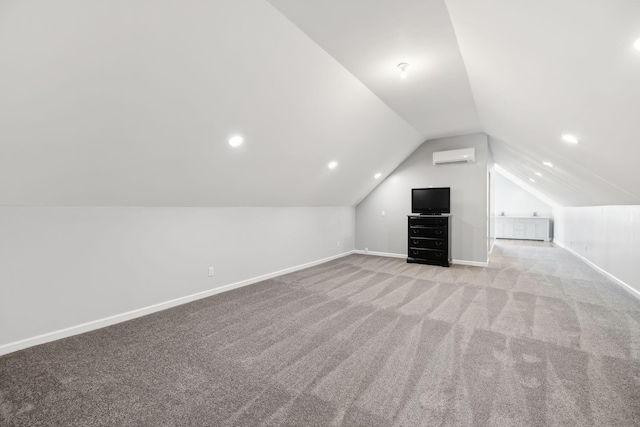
(536, 339)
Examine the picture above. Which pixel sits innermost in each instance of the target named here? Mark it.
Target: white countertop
(521, 217)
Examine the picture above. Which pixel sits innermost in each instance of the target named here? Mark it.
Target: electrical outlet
(384, 213)
(210, 271)
(338, 243)
(366, 250)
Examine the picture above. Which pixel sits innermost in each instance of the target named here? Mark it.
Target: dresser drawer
(419, 242)
(438, 232)
(428, 254)
(434, 220)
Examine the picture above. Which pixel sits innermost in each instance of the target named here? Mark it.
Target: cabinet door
(499, 227)
(542, 229)
(530, 227)
(507, 228)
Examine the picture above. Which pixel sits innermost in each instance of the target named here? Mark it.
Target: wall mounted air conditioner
(466, 155)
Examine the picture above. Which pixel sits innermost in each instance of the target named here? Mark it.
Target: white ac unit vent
(466, 155)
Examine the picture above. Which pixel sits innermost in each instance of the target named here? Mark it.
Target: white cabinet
(529, 228)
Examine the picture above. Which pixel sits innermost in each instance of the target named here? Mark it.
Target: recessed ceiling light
(333, 164)
(234, 141)
(548, 164)
(532, 180)
(538, 173)
(637, 44)
(570, 138)
(403, 69)
(378, 175)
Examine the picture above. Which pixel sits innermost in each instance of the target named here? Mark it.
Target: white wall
(513, 200)
(65, 266)
(469, 204)
(491, 188)
(607, 236)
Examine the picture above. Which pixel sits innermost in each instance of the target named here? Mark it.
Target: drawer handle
(415, 242)
(438, 243)
(438, 253)
(438, 231)
(415, 252)
(414, 231)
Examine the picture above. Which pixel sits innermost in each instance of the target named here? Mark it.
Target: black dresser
(429, 239)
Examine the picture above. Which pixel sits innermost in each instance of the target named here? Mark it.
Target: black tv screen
(431, 200)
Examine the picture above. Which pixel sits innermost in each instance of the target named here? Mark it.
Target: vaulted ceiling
(132, 102)
(546, 68)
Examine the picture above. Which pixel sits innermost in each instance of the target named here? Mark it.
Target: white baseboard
(471, 263)
(391, 255)
(625, 286)
(123, 317)
(384, 254)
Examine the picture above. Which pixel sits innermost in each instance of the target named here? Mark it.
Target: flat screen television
(431, 201)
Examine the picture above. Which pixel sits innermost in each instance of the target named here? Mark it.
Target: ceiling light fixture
(333, 164)
(378, 175)
(234, 141)
(538, 173)
(403, 69)
(548, 164)
(570, 138)
(636, 44)
(532, 180)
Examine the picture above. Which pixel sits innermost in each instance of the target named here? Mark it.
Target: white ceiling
(370, 39)
(131, 102)
(544, 68)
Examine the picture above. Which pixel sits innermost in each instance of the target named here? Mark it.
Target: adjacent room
(319, 213)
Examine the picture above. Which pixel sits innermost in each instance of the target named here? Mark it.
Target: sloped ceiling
(370, 39)
(545, 68)
(536, 70)
(132, 102)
